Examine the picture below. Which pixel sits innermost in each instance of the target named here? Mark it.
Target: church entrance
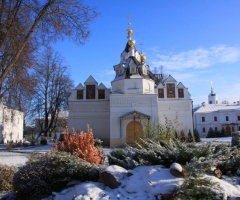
(228, 130)
(134, 132)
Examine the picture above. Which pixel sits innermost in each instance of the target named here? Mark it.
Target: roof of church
(217, 107)
(131, 55)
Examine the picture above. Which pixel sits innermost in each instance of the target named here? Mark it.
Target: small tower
(212, 97)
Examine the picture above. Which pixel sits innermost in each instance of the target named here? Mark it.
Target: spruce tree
(211, 133)
(223, 133)
(190, 137)
(196, 136)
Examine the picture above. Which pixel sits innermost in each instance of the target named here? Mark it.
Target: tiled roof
(217, 107)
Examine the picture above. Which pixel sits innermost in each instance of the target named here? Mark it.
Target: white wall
(11, 124)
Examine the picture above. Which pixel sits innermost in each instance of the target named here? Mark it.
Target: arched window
(203, 130)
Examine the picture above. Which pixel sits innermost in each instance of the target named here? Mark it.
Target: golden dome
(131, 43)
(143, 58)
(129, 31)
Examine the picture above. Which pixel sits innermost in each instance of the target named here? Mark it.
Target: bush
(197, 186)
(82, 146)
(157, 131)
(48, 172)
(236, 139)
(43, 141)
(161, 152)
(6, 177)
(9, 145)
(26, 143)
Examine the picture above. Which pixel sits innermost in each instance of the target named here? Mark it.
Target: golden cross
(141, 44)
(129, 23)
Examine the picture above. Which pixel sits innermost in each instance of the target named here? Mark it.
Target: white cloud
(197, 58)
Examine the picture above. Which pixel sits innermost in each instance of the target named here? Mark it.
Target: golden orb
(143, 58)
(129, 31)
(131, 43)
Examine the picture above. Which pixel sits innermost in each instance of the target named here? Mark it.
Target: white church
(217, 116)
(117, 115)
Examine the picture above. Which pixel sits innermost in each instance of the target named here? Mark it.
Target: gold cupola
(143, 58)
(131, 43)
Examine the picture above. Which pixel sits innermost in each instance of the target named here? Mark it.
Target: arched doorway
(228, 130)
(134, 132)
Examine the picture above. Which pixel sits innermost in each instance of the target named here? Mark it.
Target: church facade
(117, 115)
(217, 116)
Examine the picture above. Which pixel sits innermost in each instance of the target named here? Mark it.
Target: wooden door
(228, 130)
(134, 131)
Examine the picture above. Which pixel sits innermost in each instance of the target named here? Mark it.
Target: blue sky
(197, 42)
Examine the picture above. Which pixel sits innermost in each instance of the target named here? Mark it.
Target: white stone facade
(11, 125)
(117, 115)
(217, 116)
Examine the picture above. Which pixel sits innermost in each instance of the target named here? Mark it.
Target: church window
(215, 118)
(216, 128)
(238, 117)
(232, 129)
(79, 94)
(180, 93)
(210, 102)
(160, 93)
(101, 94)
(90, 92)
(203, 130)
(203, 119)
(227, 118)
(170, 90)
(133, 69)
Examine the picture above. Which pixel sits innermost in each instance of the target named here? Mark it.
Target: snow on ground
(13, 158)
(145, 182)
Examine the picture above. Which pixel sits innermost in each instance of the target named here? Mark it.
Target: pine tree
(196, 136)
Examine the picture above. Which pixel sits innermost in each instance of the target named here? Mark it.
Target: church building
(117, 115)
(217, 116)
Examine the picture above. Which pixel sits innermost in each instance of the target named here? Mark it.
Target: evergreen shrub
(6, 177)
(196, 136)
(48, 172)
(158, 152)
(197, 185)
(211, 133)
(43, 141)
(236, 139)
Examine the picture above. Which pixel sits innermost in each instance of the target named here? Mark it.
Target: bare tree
(53, 85)
(26, 24)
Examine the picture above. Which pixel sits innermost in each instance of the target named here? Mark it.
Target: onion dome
(131, 43)
(143, 58)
